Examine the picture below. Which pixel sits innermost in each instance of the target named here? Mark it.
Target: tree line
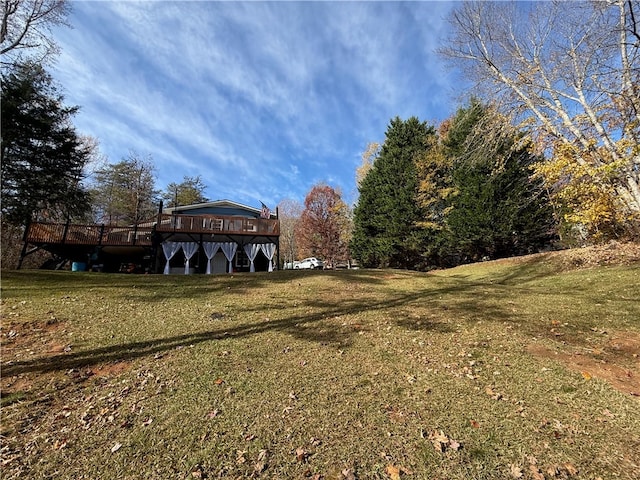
(546, 153)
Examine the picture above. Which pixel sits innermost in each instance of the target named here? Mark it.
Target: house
(212, 237)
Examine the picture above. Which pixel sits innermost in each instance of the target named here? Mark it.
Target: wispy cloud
(261, 99)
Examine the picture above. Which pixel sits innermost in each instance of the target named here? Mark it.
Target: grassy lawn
(508, 369)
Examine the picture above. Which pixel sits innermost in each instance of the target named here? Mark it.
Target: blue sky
(261, 99)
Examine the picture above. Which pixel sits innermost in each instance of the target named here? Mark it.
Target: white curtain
(210, 250)
(252, 249)
(269, 249)
(229, 250)
(189, 249)
(169, 249)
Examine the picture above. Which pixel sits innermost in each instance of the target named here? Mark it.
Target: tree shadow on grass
(425, 325)
(159, 288)
(459, 299)
(313, 327)
(508, 271)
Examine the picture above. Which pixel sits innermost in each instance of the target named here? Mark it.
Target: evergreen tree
(499, 209)
(124, 193)
(189, 192)
(42, 156)
(386, 218)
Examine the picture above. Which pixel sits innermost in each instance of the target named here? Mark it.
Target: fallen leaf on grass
(586, 375)
(348, 474)
(441, 442)
(261, 463)
(553, 470)
(492, 394)
(393, 472)
(60, 444)
(301, 454)
(196, 472)
(516, 471)
(571, 469)
(474, 424)
(219, 381)
(536, 474)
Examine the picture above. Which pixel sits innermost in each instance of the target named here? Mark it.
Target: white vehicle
(308, 263)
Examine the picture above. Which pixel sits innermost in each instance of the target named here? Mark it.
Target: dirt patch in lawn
(111, 369)
(44, 339)
(32, 338)
(617, 363)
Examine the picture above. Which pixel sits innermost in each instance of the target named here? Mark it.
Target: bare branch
(564, 70)
(26, 28)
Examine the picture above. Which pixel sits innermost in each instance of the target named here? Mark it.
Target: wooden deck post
(64, 233)
(23, 252)
(156, 240)
(278, 241)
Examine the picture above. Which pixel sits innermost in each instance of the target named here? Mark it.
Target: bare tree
(289, 212)
(26, 28)
(566, 71)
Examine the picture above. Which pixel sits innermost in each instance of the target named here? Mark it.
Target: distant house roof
(186, 209)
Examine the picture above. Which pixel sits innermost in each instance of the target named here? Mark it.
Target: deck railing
(230, 225)
(75, 234)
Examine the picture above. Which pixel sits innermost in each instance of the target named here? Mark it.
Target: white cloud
(261, 99)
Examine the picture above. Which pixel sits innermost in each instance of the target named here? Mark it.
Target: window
(241, 258)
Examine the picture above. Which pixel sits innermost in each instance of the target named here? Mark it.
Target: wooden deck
(142, 235)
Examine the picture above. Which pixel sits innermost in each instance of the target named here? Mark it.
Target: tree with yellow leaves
(584, 192)
(568, 73)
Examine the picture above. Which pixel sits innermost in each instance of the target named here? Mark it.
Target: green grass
(312, 374)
